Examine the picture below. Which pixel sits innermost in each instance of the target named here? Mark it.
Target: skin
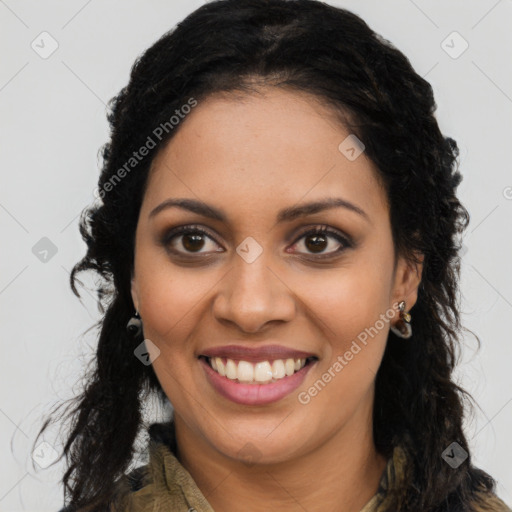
(251, 156)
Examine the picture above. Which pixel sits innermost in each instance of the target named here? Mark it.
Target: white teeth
(220, 366)
(261, 372)
(231, 370)
(278, 371)
(289, 366)
(245, 371)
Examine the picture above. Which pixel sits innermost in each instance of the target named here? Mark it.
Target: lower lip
(255, 394)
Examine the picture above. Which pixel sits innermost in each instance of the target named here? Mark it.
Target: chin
(257, 447)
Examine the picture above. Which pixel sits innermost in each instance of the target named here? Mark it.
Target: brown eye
(188, 240)
(317, 240)
(192, 242)
(316, 243)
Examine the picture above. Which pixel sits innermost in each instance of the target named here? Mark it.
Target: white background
(53, 122)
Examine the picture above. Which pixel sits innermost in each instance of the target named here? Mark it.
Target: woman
(276, 198)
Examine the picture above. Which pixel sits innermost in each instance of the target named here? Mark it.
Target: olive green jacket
(168, 486)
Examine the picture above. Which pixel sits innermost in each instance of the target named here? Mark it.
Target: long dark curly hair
(303, 45)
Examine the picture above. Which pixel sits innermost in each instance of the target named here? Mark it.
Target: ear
(407, 280)
(134, 292)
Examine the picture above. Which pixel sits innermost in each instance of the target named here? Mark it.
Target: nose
(252, 295)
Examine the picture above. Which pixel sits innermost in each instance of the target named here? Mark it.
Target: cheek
(351, 305)
(352, 311)
(347, 300)
(170, 300)
(170, 297)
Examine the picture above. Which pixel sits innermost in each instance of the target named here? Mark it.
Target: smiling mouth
(261, 372)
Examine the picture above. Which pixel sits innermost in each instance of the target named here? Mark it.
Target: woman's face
(258, 286)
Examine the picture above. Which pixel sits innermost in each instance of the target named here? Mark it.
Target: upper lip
(260, 353)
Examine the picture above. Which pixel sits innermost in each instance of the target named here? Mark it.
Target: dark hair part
(311, 47)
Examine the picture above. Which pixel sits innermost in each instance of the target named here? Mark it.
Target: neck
(341, 475)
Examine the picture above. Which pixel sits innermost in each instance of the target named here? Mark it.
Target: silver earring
(403, 327)
(134, 325)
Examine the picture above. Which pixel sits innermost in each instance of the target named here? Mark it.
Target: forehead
(262, 151)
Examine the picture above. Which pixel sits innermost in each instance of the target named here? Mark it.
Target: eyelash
(316, 230)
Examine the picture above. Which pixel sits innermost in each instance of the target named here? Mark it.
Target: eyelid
(323, 229)
(171, 233)
(345, 240)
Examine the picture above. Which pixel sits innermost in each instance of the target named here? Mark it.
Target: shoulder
(489, 502)
(136, 478)
(129, 482)
(159, 434)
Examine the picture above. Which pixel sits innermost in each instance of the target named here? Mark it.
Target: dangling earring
(403, 328)
(134, 325)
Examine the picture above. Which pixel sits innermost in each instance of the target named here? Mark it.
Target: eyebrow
(285, 215)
